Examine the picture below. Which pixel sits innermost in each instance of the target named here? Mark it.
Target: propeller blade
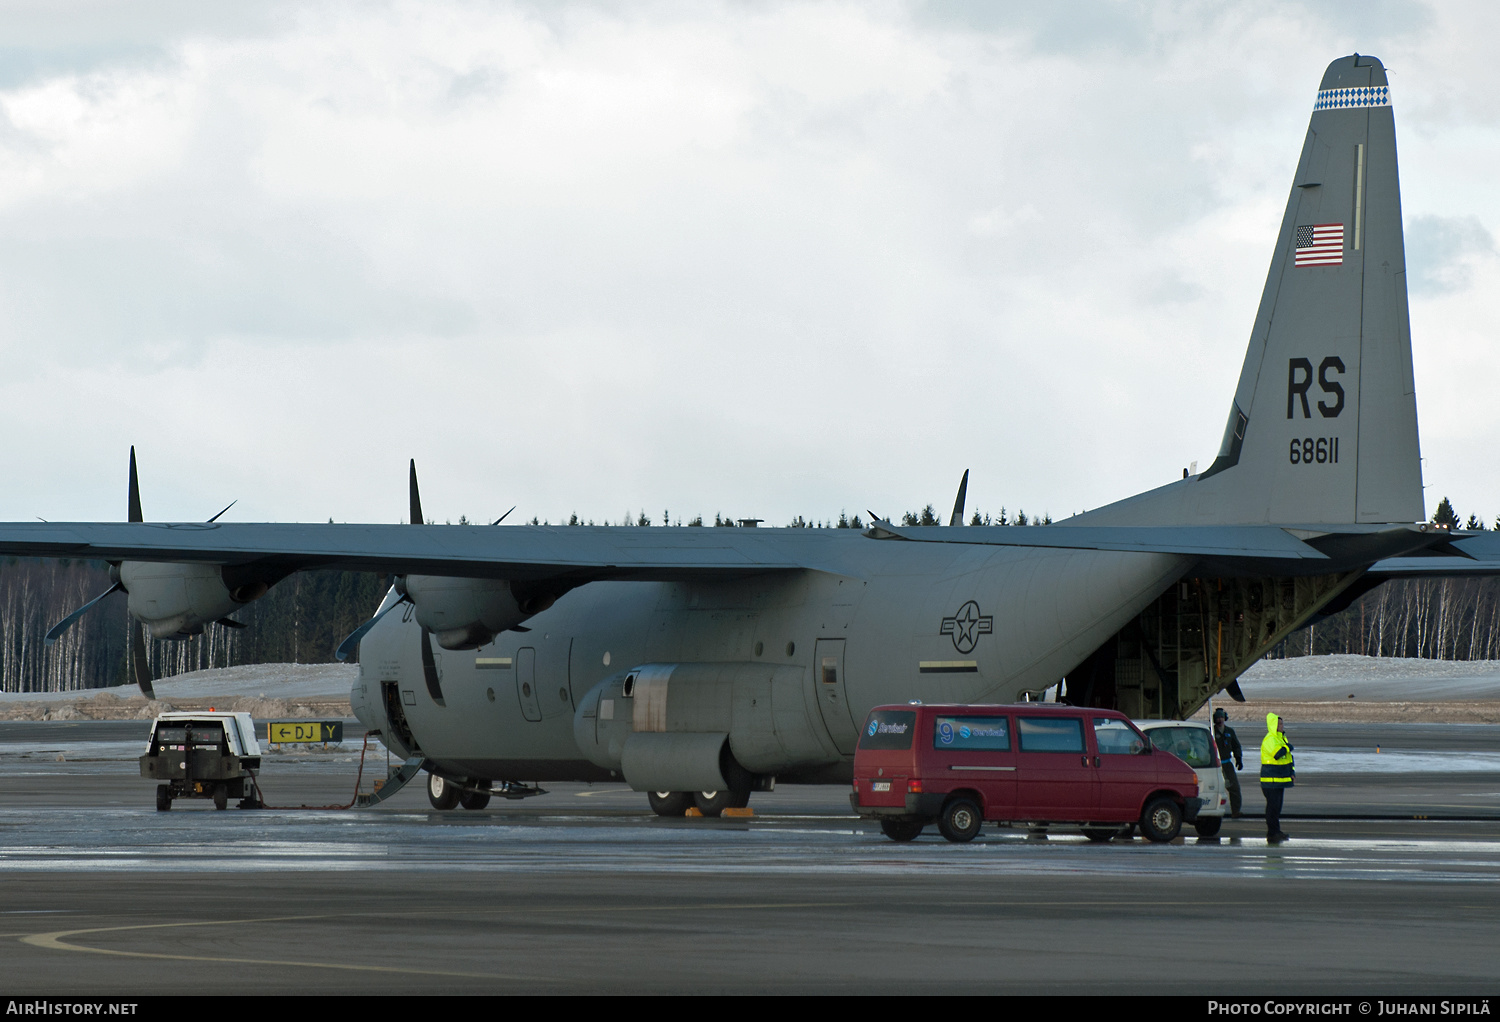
(216, 517)
(67, 622)
(140, 663)
(1233, 688)
(229, 622)
(429, 669)
(958, 505)
(133, 513)
(350, 644)
(503, 517)
(416, 497)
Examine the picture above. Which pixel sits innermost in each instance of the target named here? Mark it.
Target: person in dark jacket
(1231, 758)
(1277, 774)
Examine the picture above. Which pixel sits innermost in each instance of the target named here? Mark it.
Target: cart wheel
(221, 797)
(163, 798)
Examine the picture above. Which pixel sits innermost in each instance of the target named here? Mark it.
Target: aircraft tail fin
(1323, 426)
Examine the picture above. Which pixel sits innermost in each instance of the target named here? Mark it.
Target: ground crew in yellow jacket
(1276, 775)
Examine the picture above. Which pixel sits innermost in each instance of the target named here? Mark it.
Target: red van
(1030, 762)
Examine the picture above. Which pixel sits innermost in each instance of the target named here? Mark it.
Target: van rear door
(1055, 779)
(886, 757)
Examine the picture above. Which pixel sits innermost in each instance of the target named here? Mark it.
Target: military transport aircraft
(699, 665)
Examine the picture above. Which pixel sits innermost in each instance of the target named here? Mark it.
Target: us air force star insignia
(967, 626)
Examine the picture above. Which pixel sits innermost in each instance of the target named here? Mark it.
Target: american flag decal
(1320, 245)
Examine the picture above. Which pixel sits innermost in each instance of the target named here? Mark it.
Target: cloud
(1441, 252)
(768, 259)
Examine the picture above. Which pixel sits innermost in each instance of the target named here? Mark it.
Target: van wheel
(669, 803)
(441, 792)
(163, 798)
(712, 803)
(960, 820)
(901, 830)
(1208, 826)
(1161, 820)
(476, 799)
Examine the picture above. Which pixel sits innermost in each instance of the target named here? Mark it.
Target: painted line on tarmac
(54, 942)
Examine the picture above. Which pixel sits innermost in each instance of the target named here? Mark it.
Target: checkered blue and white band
(1363, 96)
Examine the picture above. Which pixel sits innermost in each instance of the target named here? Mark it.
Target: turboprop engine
(177, 600)
(467, 613)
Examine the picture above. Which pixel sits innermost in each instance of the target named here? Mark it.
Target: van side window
(991, 734)
(1116, 738)
(889, 729)
(1050, 734)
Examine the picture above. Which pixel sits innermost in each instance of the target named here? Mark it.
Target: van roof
(1044, 709)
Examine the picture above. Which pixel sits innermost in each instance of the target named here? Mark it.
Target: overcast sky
(760, 259)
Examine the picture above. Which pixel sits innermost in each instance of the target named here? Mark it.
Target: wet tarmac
(583, 890)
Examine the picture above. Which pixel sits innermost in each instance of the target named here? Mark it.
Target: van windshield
(889, 729)
(1189, 744)
(987, 733)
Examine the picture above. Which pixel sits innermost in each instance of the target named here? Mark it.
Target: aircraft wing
(521, 552)
(1476, 553)
(584, 553)
(1246, 549)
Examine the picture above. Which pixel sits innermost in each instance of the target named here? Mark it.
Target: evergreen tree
(1445, 515)
(929, 516)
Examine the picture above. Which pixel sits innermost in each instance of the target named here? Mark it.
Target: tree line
(304, 617)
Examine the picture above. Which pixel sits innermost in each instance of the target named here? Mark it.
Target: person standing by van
(1231, 758)
(1276, 775)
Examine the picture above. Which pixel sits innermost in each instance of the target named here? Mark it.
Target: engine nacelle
(175, 601)
(704, 726)
(466, 613)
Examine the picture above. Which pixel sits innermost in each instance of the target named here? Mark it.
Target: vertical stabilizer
(1323, 426)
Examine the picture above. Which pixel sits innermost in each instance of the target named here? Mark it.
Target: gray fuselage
(893, 621)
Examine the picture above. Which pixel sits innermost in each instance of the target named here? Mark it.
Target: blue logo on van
(945, 733)
(963, 732)
(871, 729)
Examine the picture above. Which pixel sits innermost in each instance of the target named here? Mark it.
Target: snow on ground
(1314, 678)
(1372, 679)
(268, 681)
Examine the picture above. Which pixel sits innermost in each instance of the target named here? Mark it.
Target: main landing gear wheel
(901, 830)
(960, 820)
(1208, 826)
(163, 798)
(221, 797)
(1161, 820)
(441, 792)
(669, 803)
(475, 799)
(712, 803)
